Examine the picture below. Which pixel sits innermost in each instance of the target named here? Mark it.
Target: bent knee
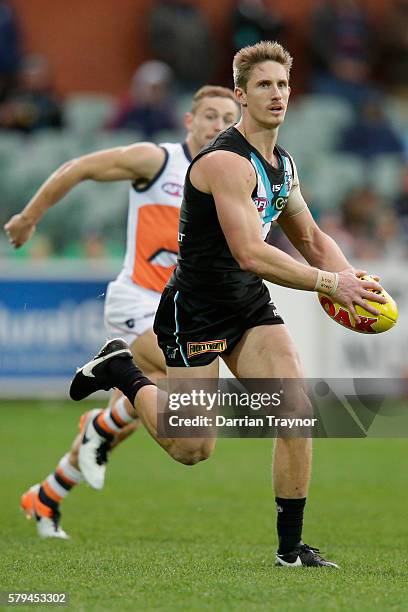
(74, 451)
(191, 455)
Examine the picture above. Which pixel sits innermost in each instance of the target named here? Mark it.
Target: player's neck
(192, 147)
(264, 140)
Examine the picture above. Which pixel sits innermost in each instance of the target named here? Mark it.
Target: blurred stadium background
(114, 77)
(104, 73)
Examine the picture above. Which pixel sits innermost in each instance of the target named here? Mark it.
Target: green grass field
(162, 536)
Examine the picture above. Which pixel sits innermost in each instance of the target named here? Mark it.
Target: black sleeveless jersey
(205, 265)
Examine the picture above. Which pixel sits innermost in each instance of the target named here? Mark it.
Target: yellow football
(369, 323)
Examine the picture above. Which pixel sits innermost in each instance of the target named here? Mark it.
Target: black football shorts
(191, 332)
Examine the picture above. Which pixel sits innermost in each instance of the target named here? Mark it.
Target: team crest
(288, 180)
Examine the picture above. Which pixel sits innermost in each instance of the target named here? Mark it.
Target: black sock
(127, 377)
(289, 523)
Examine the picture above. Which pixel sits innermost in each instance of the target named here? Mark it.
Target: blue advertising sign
(47, 328)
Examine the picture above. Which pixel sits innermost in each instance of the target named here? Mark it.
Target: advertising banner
(47, 328)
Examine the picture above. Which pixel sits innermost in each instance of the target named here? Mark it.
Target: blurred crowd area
(348, 131)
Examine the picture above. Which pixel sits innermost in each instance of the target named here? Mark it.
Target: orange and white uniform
(151, 252)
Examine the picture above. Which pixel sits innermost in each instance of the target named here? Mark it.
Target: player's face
(267, 94)
(212, 115)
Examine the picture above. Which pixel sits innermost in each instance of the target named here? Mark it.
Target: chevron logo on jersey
(271, 198)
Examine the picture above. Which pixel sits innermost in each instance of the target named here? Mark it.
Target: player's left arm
(317, 247)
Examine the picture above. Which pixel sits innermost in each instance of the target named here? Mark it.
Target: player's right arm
(138, 161)
(231, 180)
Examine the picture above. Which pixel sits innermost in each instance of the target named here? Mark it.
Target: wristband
(327, 282)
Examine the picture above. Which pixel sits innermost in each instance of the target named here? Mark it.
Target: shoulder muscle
(223, 171)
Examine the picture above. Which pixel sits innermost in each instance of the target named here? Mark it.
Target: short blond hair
(248, 57)
(211, 91)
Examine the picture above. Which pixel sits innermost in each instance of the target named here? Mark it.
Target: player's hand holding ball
(360, 303)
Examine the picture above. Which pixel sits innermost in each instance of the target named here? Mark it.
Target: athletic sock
(127, 377)
(289, 523)
(111, 420)
(57, 486)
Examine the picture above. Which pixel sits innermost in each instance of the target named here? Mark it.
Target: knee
(301, 406)
(191, 455)
(73, 456)
(293, 364)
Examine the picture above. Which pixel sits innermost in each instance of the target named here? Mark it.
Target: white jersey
(152, 228)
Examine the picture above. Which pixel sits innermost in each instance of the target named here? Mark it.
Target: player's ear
(188, 120)
(240, 96)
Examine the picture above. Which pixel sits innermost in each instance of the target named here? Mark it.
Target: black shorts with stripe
(191, 332)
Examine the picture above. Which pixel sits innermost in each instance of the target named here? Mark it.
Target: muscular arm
(231, 180)
(142, 160)
(317, 248)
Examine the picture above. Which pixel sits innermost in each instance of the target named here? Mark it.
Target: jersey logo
(260, 203)
(280, 203)
(156, 250)
(171, 351)
(288, 177)
(207, 346)
(163, 257)
(173, 189)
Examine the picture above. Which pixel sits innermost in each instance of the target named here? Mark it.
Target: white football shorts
(129, 310)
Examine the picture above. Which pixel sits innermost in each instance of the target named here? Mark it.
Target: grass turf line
(168, 537)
